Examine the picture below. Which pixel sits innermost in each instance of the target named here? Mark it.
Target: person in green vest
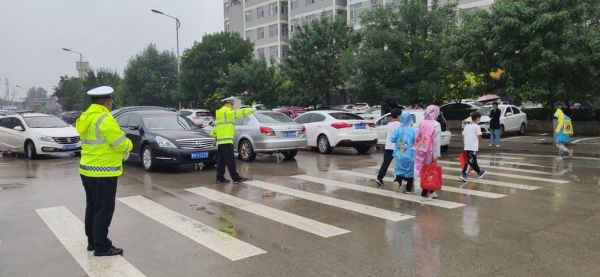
(223, 131)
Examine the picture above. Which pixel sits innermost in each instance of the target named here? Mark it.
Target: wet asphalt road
(540, 218)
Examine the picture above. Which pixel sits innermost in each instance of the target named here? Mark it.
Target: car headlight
(46, 138)
(164, 143)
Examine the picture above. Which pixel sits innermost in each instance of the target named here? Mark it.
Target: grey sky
(107, 32)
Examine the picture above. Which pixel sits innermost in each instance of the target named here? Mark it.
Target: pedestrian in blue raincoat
(404, 137)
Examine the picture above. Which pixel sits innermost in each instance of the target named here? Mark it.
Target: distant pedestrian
(472, 137)
(563, 133)
(403, 139)
(428, 144)
(389, 146)
(495, 114)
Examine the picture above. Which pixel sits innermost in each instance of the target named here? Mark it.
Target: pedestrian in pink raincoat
(427, 145)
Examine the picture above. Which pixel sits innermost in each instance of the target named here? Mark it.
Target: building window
(310, 2)
(261, 53)
(273, 30)
(260, 33)
(273, 9)
(226, 6)
(308, 19)
(284, 30)
(294, 4)
(249, 34)
(355, 11)
(227, 26)
(248, 16)
(284, 51)
(284, 8)
(260, 12)
(273, 52)
(375, 3)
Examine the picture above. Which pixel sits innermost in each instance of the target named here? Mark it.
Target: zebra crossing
(69, 230)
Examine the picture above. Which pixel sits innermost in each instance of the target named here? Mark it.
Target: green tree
(70, 94)
(103, 77)
(150, 79)
(203, 65)
(314, 63)
(36, 92)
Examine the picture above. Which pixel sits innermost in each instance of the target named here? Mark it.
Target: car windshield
(45, 122)
(202, 114)
(484, 111)
(272, 118)
(345, 116)
(170, 122)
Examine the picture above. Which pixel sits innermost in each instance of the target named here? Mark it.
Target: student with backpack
(563, 131)
(403, 139)
(427, 144)
(472, 137)
(389, 146)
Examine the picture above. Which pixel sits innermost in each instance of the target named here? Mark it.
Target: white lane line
(444, 188)
(511, 138)
(228, 246)
(500, 158)
(70, 231)
(583, 139)
(343, 204)
(502, 168)
(483, 162)
(515, 176)
(547, 156)
(382, 192)
(296, 221)
(544, 134)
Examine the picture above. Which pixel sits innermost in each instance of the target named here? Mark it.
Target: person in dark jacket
(495, 114)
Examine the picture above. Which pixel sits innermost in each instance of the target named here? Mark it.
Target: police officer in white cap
(103, 147)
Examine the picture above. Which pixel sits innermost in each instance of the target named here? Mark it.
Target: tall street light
(177, 25)
(80, 60)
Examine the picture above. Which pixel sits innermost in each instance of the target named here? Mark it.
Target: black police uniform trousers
(100, 195)
(226, 158)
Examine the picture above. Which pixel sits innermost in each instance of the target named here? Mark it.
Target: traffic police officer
(223, 131)
(103, 147)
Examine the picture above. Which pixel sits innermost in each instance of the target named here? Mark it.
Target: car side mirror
(18, 128)
(133, 127)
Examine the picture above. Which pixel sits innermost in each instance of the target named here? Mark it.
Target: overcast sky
(107, 32)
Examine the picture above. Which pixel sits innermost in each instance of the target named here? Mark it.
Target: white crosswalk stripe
(444, 188)
(500, 158)
(343, 204)
(514, 176)
(382, 192)
(70, 231)
(227, 246)
(501, 168)
(296, 221)
(544, 156)
(484, 162)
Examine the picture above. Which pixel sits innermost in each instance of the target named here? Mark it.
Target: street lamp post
(80, 61)
(177, 25)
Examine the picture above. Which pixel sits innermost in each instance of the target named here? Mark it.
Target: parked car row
(512, 119)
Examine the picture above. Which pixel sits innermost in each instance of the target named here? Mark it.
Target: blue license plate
(69, 147)
(199, 155)
(289, 134)
(360, 126)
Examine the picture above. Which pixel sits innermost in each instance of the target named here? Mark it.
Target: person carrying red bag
(427, 144)
(472, 138)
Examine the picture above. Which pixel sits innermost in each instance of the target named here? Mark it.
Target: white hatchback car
(418, 116)
(37, 134)
(512, 119)
(200, 117)
(328, 129)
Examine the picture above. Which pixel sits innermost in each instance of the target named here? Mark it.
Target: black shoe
(224, 181)
(113, 251)
(380, 182)
(241, 180)
(90, 247)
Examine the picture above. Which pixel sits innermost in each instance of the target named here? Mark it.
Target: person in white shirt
(388, 154)
(472, 137)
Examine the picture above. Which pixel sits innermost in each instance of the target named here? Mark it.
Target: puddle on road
(11, 186)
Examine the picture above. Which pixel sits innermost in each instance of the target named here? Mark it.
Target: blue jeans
(495, 136)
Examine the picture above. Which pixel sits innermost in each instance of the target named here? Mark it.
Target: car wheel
(30, 150)
(522, 129)
(444, 148)
(148, 158)
(323, 145)
(290, 155)
(246, 150)
(363, 149)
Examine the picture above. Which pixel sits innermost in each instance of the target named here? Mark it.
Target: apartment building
(469, 4)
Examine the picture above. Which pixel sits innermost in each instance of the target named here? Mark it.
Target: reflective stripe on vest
(100, 168)
(98, 139)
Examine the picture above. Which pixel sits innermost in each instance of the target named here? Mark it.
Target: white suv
(37, 134)
(199, 117)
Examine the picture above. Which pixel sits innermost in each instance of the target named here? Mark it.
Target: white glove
(126, 155)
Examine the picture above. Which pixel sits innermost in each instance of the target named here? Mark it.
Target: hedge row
(576, 115)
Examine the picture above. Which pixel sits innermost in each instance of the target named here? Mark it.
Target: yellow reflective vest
(223, 130)
(103, 144)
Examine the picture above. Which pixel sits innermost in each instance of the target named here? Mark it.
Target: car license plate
(199, 155)
(69, 147)
(289, 134)
(360, 126)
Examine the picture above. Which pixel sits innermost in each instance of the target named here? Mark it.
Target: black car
(163, 137)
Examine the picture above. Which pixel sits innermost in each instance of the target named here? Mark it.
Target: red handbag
(463, 157)
(431, 177)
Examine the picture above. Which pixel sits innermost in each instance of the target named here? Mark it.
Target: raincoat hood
(432, 112)
(406, 119)
(559, 113)
(87, 118)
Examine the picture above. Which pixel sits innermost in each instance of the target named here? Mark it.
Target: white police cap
(229, 99)
(103, 91)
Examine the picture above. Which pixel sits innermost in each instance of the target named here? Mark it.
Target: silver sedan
(268, 132)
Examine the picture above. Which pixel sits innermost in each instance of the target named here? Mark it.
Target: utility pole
(6, 94)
